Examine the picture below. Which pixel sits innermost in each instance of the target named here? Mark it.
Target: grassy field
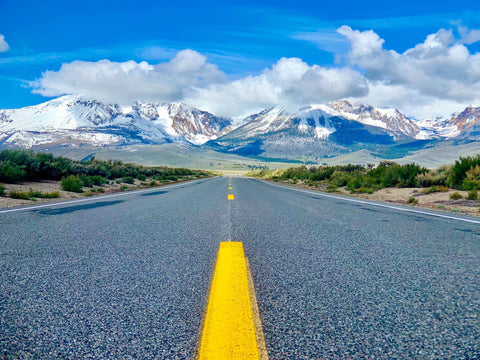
(172, 155)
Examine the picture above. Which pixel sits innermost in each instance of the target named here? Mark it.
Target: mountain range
(312, 132)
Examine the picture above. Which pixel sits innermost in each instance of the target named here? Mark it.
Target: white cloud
(290, 82)
(439, 69)
(128, 81)
(189, 77)
(436, 77)
(469, 36)
(3, 44)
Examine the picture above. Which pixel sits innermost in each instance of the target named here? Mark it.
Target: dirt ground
(436, 201)
(50, 186)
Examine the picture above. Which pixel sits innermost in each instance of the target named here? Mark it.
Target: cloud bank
(433, 78)
(128, 81)
(3, 44)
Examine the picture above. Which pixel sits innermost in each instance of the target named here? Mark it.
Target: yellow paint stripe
(229, 329)
(229, 188)
(261, 346)
(230, 197)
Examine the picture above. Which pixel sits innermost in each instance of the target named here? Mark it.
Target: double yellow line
(232, 327)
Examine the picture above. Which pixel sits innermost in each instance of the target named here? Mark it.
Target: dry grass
(436, 200)
(50, 186)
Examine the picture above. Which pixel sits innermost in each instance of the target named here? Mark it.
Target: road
(126, 277)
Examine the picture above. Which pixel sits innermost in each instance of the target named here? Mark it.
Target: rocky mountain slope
(339, 128)
(315, 131)
(75, 120)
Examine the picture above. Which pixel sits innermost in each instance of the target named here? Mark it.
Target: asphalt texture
(127, 277)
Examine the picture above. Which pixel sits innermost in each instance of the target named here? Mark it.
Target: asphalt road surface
(127, 276)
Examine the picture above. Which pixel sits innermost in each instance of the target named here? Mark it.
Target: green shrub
(472, 179)
(332, 188)
(72, 183)
(437, 177)
(32, 194)
(93, 180)
(2, 190)
(472, 195)
(340, 178)
(390, 174)
(128, 180)
(459, 171)
(456, 196)
(364, 190)
(23, 195)
(118, 181)
(87, 181)
(124, 188)
(142, 177)
(435, 188)
(152, 183)
(21, 165)
(412, 200)
(11, 173)
(50, 195)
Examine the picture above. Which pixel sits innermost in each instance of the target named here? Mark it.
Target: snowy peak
(194, 125)
(466, 119)
(75, 119)
(389, 119)
(319, 120)
(454, 126)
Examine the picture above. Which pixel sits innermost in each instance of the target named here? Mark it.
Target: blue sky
(243, 40)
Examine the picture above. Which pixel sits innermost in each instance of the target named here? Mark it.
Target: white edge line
(372, 203)
(101, 197)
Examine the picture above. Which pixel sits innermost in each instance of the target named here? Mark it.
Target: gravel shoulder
(48, 186)
(437, 200)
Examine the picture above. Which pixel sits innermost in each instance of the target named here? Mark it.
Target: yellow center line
(230, 197)
(229, 330)
(229, 188)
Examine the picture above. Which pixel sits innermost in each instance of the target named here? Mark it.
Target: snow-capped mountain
(338, 128)
(457, 125)
(75, 119)
(389, 119)
(317, 131)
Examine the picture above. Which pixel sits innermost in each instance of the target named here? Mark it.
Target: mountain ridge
(319, 130)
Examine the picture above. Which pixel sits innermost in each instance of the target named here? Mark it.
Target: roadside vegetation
(19, 166)
(463, 176)
(33, 195)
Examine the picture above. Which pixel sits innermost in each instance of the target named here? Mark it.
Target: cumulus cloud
(439, 69)
(436, 77)
(290, 82)
(3, 44)
(189, 77)
(126, 82)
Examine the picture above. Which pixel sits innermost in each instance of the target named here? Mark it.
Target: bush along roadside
(463, 175)
(21, 165)
(33, 195)
(25, 165)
